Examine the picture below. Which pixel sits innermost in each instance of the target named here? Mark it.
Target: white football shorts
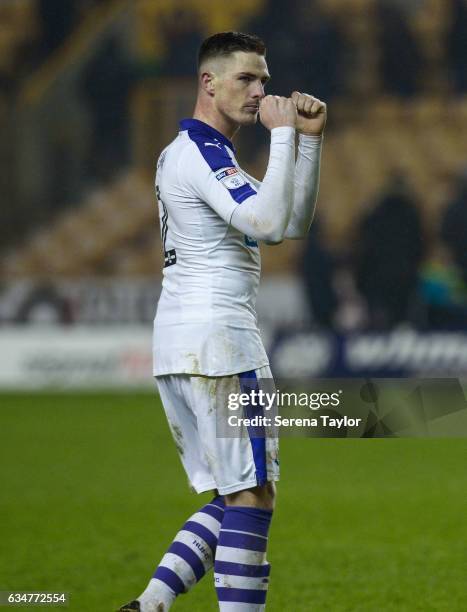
(215, 455)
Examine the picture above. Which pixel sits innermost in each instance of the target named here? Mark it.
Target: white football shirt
(205, 322)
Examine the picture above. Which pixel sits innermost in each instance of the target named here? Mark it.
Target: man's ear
(207, 82)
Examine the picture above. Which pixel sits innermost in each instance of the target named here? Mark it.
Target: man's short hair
(225, 43)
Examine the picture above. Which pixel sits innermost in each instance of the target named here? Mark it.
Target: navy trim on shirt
(203, 129)
(212, 146)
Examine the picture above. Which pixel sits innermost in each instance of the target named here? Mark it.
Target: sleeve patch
(231, 178)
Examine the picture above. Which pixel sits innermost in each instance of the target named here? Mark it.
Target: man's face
(239, 81)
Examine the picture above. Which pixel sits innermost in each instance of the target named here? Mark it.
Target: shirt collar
(205, 129)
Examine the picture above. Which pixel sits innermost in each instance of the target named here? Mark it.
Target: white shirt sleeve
(262, 214)
(307, 171)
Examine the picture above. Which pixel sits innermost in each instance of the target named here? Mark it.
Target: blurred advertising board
(34, 357)
(75, 357)
(400, 353)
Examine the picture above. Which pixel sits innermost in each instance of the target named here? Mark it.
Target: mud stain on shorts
(178, 438)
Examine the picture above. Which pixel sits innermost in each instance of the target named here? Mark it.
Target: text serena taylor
(323, 420)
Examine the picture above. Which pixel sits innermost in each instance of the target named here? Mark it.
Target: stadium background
(90, 92)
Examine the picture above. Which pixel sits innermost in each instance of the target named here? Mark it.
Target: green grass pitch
(92, 492)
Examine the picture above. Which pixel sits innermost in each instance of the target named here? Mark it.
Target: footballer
(206, 339)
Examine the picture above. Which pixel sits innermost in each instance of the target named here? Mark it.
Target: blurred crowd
(393, 273)
(31, 30)
(394, 270)
(308, 42)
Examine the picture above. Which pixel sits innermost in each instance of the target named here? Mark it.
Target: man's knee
(258, 497)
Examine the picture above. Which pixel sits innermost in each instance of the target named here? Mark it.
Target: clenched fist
(276, 111)
(312, 113)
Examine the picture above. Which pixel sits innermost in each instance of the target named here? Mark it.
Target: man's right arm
(266, 215)
(263, 214)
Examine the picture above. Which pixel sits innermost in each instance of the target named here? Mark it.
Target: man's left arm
(310, 125)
